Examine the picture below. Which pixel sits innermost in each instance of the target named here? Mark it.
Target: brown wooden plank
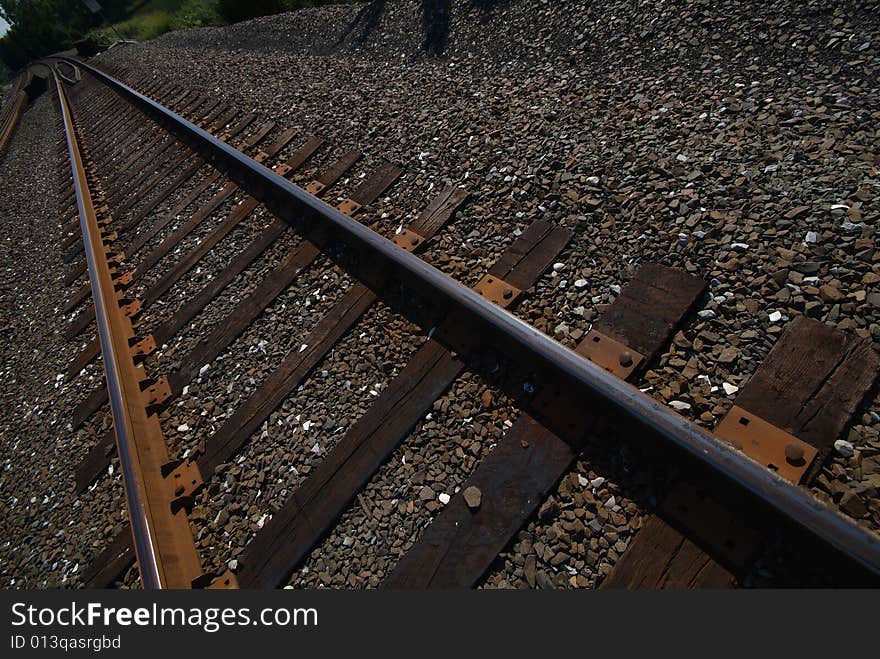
(661, 557)
(439, 211)
(251, 141)
(175, 160)
(96, 461)
(460, 544)
(295, 367)
(455, 550)
(376, 184)
(247, 310)
(153, 230)
(83, 320)
(289, 374)
(129, 178)
(150, 142)
(189, 171)
(531, 253)
(305, 517)
(171, 241)
(649, 307)
(293, 530)
(82, 294)
(198, 251)
(109, 565)
(75, 272)
(223, 334)
(812, 382)
(74, 252)
(243, 315)
(161, 196)
(193, 306)
(339, 168)
(218, 233)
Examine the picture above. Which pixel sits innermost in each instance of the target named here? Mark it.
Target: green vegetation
(41, 27)
(150, 19)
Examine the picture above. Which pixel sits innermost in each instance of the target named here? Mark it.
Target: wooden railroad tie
(118, 555)
(292, 532)
(460, 544)
(795, 406)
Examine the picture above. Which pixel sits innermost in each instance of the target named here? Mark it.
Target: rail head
(163, 542)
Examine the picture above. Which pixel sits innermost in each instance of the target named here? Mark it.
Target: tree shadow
(437, 17)
(363, 23)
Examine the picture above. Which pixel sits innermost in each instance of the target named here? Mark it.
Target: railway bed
(159, 195)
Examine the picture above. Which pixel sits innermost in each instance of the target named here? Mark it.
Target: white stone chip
(844, 448)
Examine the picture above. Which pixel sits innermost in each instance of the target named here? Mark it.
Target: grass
(154, 17)
(150, 18)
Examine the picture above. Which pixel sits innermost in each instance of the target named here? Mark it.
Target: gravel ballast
(738, 142)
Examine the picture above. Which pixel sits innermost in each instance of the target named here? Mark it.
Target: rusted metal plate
(811, 383)
(349, 207)
(497, 290)
(141, 347)
(130, 308)
(785, 454)
(226, 581)
(183, 480)
(155, 392)
(408, 240)
(609, 353)
(315, 187)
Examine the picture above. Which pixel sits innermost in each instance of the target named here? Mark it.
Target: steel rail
(522, 341)
(11, 114)
(163, 542)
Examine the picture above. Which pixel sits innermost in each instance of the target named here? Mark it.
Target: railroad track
(22, 88)
(162, 176)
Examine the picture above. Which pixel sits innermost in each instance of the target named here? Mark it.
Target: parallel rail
(551, 362)
(12, 110)
(163, 542)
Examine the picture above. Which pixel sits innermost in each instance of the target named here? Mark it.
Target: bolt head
(794, 454)
(626, 358)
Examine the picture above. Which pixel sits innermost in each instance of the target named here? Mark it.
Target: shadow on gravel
(363, 24)
(436, 22)
(437, 18)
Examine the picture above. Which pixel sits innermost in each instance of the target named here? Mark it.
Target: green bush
(196, 13)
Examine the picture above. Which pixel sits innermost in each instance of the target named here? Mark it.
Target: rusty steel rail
(163, 541)
(510, 335)
(11, 113)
